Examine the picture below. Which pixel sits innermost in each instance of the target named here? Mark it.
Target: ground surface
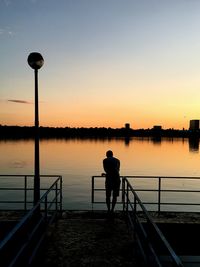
(83, 239)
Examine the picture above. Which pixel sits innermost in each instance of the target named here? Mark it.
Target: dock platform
(89, 239)
(92, 238)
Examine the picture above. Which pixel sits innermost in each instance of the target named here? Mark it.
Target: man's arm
(104, 165)
(119, 165)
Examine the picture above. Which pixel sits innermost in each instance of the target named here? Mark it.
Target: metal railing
(163, 191)
(154, 248)
(20, 246)
(16, 191)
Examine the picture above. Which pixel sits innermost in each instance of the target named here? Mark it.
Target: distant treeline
(18, 132)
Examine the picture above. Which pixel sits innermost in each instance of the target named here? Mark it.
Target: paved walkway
(89, 239)
(93, 239)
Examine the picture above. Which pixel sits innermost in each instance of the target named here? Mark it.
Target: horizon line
(99, 127)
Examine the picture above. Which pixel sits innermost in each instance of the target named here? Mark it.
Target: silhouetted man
(111, 166)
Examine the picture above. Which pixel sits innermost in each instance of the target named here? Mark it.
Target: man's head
(109, 154)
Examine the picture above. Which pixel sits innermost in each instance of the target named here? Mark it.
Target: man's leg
(108, 195)
(115, 194)
(114, 200)
(108, 203)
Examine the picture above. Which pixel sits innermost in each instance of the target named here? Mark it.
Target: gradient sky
(107, 62)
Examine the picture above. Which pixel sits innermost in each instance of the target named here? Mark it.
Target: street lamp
(36, 61)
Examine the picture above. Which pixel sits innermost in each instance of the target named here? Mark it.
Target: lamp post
(36, 61)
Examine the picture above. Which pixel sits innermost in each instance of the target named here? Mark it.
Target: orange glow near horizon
(96, 115)
(137, 65)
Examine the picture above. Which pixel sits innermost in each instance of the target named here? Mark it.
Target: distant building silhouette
(127, 126)
(157, 127)
(194, 125)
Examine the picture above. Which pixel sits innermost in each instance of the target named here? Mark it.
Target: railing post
(123, 193)
(92, 189)
(135, 209)
(135, 204)
(25, 192)
(56, 198)
(61, 194)
(159, 193)
(45, 208)
(127, 196)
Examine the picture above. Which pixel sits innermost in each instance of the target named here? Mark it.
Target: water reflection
(78, 159)
(194, 145)
(156, 140)
(192, 142)
(127, 141)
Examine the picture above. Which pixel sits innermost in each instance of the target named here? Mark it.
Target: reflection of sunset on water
(77, 160)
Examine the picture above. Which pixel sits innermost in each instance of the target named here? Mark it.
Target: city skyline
(105, 62)
(192, 125)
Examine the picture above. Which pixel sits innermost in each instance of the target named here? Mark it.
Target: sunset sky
(107, 62)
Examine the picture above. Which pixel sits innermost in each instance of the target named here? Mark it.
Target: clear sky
(107, 62)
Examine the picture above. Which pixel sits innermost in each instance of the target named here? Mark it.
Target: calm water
(77, 160)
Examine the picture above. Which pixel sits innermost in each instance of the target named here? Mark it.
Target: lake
(79, 159)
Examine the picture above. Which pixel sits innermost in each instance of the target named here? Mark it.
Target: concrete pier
(92, 238)
(89, 239)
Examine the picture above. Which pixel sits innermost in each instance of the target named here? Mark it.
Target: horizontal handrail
(27, 235)
(28, 175)
(158, 176)
(27, 216)
(159, 189)
(151, 241)
(155, 231)
(22, 185)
